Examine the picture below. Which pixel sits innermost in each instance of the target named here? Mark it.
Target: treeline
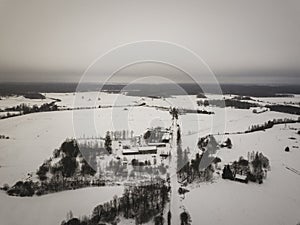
(140, 169)
(238, 103)
(2, 136)
(65, 170)
(222, 103)
(198, 111)
(29, 95)
(25, 109)
(140, 203)
(121, 134)
(270, 124)
(46, 107)
(285, 109)
(9, 114)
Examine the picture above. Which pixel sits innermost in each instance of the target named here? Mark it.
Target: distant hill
(163, 90)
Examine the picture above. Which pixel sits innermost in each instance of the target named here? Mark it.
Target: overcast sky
(255, 41)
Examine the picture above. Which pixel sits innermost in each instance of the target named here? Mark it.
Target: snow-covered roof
(156, 144)
(146, 148)
(241, 177)
(166, 136)
(130, 151)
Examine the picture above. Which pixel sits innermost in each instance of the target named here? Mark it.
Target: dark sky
(255, 41)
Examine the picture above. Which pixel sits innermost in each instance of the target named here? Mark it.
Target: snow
(230, 202)
(91, 99)
(276, 201)
(7, 102)
(281, 100)
(229, 121)
(52, 209)
(33, 138)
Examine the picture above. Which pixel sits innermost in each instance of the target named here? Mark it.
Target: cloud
(49, 40)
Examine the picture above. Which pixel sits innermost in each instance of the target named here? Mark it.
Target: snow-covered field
(227, 120)
(53, 208)
(34, 136)
(276, 201)
(7, 102)
(281, 100)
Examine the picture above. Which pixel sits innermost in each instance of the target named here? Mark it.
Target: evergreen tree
(108, 143)
(169, 217)
(184, 218)
(227, 173)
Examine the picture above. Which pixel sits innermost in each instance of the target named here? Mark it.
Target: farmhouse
(147, 150)
(158, 145)
(241, 178)
(157, 135)
(130, 151)
(140, 150)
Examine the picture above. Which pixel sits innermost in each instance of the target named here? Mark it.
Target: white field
(53, 208)
(33, 137)
(227, 120)
(7, 102)
(281, 100)
(276, 201)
